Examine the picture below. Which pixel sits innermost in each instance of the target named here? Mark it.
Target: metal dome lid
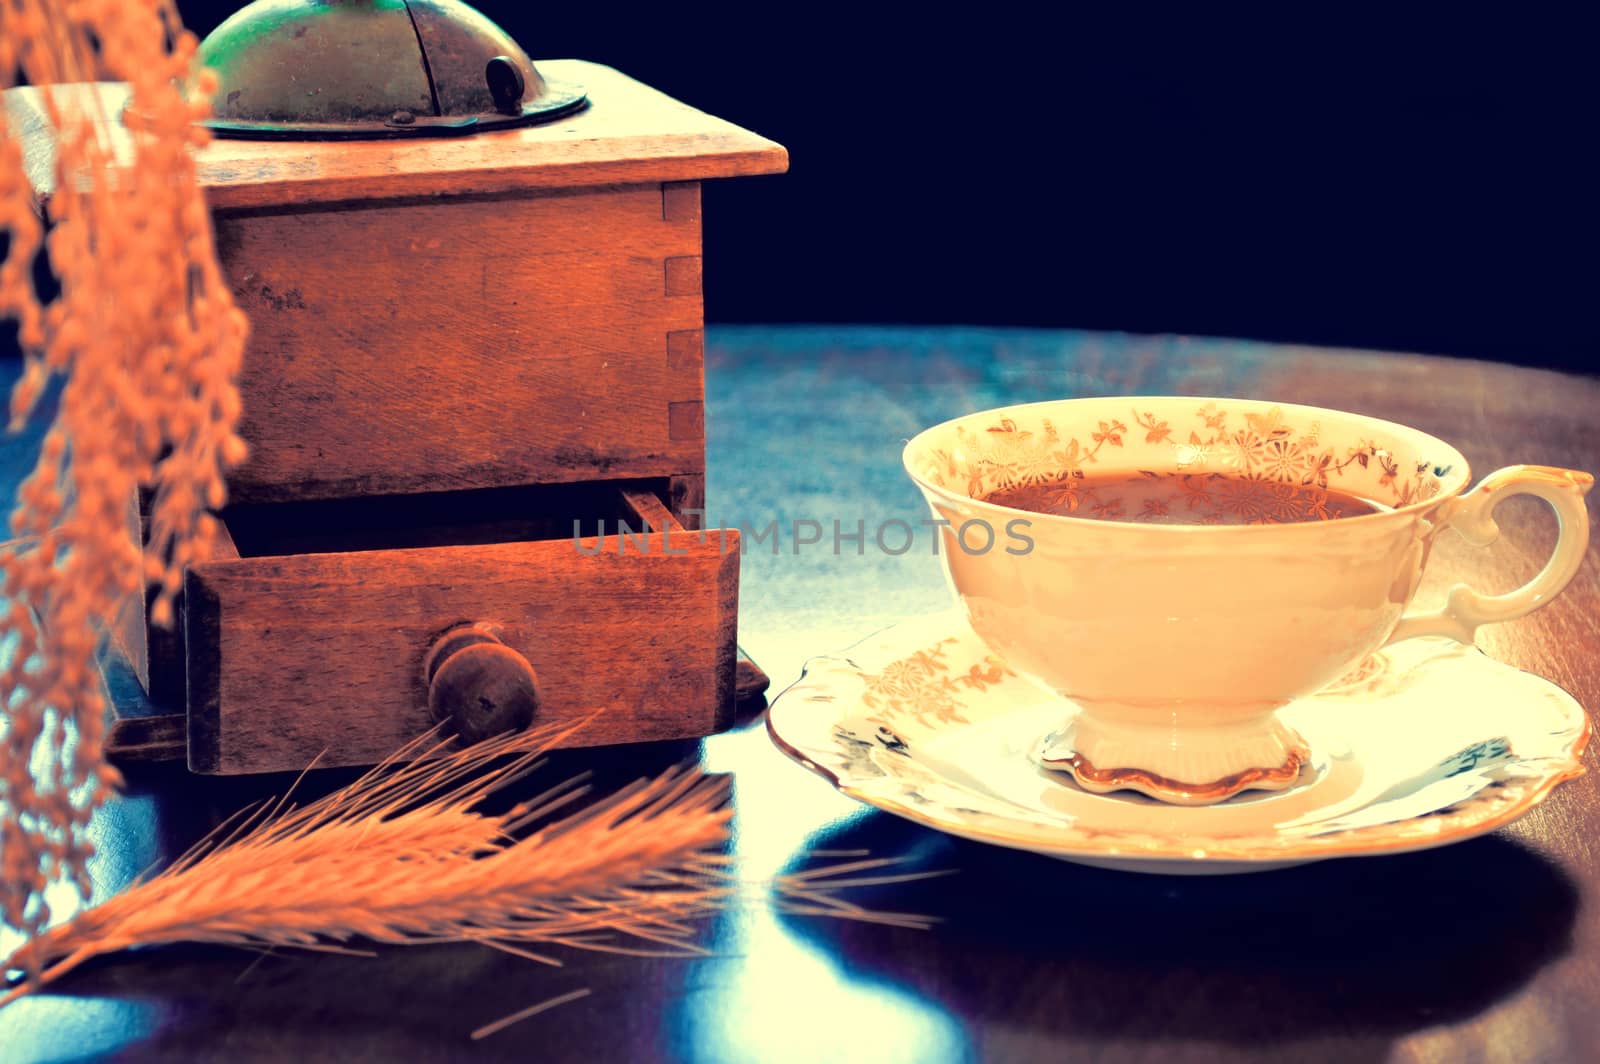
(327, 69)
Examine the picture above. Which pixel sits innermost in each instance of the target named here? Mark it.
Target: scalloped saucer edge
(1427, 743)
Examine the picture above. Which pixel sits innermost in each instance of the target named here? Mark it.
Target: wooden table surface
(1488, 950)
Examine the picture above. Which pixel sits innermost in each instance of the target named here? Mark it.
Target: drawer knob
(483, 687)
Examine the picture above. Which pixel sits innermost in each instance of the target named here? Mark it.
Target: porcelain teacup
(1177, 642)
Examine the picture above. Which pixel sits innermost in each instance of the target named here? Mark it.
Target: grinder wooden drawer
(321, 655)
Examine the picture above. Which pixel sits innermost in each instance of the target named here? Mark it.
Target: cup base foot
(1172, 791)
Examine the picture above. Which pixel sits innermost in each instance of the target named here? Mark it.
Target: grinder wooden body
(459, 347)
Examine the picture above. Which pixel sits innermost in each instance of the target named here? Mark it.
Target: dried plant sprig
(146, 337)
(402, 857)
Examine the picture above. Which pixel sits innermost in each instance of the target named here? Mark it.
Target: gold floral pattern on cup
(1224, 467)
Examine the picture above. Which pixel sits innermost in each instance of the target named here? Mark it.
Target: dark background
(1419, 183)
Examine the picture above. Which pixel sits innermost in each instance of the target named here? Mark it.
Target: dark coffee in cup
(1167, 498)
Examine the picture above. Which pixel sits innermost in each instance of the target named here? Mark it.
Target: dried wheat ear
(630, 872)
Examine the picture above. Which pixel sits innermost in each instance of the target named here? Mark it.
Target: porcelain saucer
(1428, 742)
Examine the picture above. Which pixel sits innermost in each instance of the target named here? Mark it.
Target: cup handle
(1473, 519)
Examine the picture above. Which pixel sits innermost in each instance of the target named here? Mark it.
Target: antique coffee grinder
(474, 288)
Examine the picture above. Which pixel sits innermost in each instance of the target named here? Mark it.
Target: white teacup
(1180, 641)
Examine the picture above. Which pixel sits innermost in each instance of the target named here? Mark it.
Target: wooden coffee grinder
(474, 288)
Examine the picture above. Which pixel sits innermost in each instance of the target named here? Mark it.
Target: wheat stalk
(402, 856)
